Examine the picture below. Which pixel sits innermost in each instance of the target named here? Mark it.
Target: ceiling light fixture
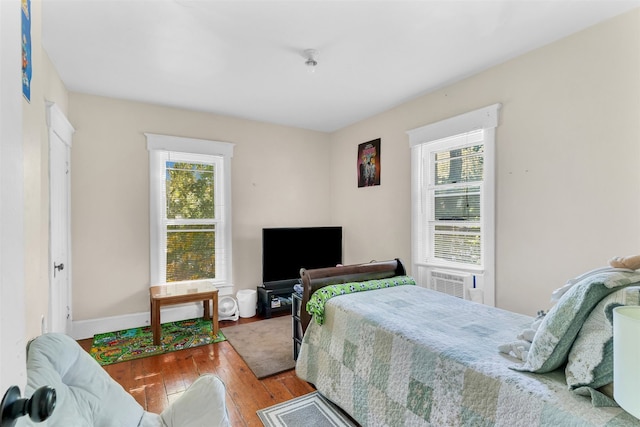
(310, 55)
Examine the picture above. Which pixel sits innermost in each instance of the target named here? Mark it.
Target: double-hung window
(454, 188)
(453, 198)
(190, 210)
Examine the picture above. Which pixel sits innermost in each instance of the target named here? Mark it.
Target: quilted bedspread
(409, 356)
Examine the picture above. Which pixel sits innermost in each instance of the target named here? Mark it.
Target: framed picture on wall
(369, 163)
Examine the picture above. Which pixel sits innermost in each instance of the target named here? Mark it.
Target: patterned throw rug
(309, 410)
(135, 343)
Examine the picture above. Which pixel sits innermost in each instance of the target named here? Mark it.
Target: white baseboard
(82, 329)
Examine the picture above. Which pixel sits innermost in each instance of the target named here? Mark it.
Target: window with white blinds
(453, 192)
(189, 210)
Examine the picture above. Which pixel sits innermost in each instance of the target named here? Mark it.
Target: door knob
(39, 407)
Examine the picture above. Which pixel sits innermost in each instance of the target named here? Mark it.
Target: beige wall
(568, 150)
(279, 178)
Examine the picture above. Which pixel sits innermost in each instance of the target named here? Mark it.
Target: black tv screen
(286, 250)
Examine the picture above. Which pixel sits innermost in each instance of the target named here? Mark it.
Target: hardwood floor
(156, 381)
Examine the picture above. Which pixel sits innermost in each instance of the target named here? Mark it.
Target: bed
(409, 356)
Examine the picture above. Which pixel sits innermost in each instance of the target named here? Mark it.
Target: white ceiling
(244, 58)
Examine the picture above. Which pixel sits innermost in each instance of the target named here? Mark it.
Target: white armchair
(87, 396)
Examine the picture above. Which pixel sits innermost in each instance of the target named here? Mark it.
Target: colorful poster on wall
(26, 49)
(369, 163)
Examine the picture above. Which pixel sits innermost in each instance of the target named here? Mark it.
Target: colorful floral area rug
(135, 343)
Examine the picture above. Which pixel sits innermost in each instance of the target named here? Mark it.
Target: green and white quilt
(409, 356)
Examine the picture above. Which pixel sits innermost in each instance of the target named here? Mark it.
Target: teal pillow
(559, 328)
(590, 360)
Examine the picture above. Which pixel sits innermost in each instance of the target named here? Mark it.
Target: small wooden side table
(180, 293)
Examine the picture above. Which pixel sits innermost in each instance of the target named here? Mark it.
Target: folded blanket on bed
(316, 303)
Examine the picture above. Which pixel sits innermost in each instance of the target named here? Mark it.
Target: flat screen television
(286, 250)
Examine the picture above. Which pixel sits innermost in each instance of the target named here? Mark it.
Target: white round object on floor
(227, 308)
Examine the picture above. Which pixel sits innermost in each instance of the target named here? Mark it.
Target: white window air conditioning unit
(455, 283)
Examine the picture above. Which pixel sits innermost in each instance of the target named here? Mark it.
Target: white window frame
(427, 139)
(160, 148)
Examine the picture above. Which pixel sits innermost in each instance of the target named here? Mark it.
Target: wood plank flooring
(156, 381)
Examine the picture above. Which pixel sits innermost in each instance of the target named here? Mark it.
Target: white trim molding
(59, 124)
(189, 145)
(482, 118)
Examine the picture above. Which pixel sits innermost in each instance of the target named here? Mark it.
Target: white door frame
(60, 131)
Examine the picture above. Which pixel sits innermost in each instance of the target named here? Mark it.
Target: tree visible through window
(190, 219)
(189, 210)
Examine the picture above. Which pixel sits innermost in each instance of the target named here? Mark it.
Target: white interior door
(60, 133)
